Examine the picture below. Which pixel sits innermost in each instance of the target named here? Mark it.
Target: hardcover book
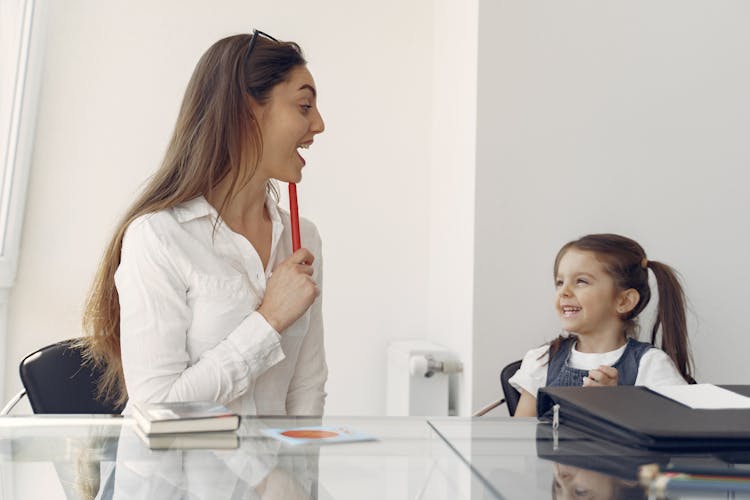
(191, 416)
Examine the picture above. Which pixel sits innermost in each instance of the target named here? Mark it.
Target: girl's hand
(290, 292)
(604, 375)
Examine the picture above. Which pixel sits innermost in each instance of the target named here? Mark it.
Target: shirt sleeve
(657, 368)
(306, 394)
(533, 372)
(154, 320)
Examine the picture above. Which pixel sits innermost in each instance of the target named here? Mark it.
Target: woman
(199, 296)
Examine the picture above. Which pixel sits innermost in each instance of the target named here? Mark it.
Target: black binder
(636, 416)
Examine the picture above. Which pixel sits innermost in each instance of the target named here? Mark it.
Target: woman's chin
(289, 179)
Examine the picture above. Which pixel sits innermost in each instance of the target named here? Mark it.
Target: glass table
(447, 458)
(59, 457)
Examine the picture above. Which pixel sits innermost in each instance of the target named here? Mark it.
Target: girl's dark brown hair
(216, 135)
(626, 261)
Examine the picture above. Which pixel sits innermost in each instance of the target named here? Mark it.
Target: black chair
(511, 395)
(56, 380)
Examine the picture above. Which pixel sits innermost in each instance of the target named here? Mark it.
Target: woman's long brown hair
(626, 261)
(215, 136)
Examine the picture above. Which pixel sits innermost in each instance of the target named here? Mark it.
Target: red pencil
(294, 212)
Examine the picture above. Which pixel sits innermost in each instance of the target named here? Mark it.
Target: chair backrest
(511, 394)
(57, 381)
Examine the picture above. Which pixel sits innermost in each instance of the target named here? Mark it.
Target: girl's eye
(306, 107)
(580, 492)
(582, 281)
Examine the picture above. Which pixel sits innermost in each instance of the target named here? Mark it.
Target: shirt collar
(193, 209)
(200, 207)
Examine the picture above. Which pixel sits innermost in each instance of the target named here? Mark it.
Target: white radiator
(418, 375)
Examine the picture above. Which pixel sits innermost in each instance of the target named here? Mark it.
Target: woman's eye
(306, 107)
(558, 283)
(582, 281)
(580, 492)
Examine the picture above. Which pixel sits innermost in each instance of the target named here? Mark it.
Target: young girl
(199, 295)
(601, 283)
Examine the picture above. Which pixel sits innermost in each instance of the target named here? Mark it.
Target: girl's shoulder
(657, 368)
(537, 351)
(533, 371)
(654, 356)
(535, 358)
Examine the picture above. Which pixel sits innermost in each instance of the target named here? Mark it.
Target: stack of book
(194, 424)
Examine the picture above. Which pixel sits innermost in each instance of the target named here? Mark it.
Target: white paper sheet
(703, 396)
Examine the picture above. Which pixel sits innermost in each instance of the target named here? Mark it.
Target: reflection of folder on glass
(639, 417)
(578, 449)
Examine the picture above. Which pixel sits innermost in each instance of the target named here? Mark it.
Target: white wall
(113, 82)
(465, 142)
(629, 117)
(452, 186)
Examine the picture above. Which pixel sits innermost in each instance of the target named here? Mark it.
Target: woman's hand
(290, 292)
(604, 375)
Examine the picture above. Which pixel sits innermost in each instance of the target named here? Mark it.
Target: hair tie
(644, 263)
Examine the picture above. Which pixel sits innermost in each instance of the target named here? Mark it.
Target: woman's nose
(318, 126)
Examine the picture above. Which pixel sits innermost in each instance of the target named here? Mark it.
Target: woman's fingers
(290, 290)
(306, 269)
(302, 256)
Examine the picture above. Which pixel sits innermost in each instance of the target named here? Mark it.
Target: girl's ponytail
(671, 317)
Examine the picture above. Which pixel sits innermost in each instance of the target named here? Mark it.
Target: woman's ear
(627, 300)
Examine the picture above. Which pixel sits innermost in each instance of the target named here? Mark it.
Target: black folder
(636, 416)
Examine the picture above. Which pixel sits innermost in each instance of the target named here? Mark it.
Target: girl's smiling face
(586, 298)
(288, 121)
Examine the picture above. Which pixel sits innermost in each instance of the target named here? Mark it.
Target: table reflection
(65, 457)
(526, 459)
(257, 469)
(588, 467)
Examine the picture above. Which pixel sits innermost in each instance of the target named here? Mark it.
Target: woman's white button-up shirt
(189, 329)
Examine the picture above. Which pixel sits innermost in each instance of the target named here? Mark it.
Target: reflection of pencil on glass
(671, 483)
(664, 484)
(707, 466)
(294, 214)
